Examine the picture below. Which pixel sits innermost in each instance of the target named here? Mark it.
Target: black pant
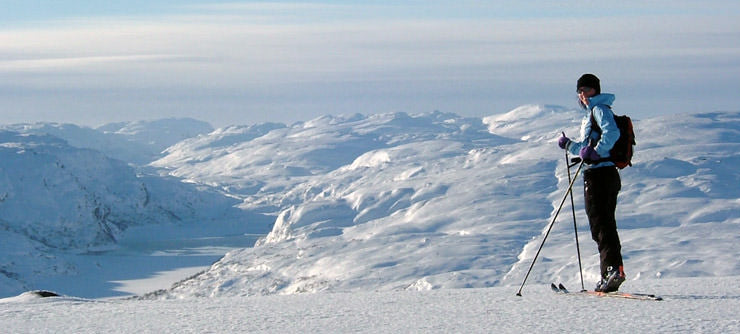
(601, 187)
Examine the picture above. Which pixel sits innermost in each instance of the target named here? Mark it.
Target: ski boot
(612, 279)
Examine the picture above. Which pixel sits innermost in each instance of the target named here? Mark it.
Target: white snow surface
(691, 305)
(388, 216)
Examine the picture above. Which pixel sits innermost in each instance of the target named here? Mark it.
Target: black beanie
(591, 81)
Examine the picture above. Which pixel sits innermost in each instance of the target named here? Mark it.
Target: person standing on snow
(601, 179)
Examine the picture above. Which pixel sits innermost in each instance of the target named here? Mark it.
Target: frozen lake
(143, 262)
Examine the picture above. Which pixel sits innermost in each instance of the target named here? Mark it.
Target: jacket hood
(604, 98)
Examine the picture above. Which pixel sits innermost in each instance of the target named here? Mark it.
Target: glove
(589, 154)
(563, 141)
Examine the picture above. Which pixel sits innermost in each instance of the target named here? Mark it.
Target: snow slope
(419, 202)
(691, 305)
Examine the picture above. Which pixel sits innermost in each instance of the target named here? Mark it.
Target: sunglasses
(583, 90)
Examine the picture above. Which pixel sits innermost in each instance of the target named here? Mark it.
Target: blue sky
(243, 62)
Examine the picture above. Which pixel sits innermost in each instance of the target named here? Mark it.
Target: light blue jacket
(600, 107)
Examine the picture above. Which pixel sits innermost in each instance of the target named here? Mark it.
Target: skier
(601, 179)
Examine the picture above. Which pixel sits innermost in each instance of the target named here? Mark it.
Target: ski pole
(573, 208)
(560, 207)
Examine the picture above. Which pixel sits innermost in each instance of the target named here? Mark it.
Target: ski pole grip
(575, 160)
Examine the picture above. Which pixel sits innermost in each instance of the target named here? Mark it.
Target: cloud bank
(250, 62)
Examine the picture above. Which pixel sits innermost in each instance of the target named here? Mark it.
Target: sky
(246, 62)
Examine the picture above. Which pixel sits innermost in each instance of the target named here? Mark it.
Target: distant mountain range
(370, 202)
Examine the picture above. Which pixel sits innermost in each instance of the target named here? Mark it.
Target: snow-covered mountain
(57, 199)
(428, 201)
(137, 142)
(382, 202)
(265, 163)
(156, 135)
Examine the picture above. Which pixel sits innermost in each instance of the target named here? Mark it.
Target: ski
(617, 294)
(625, 295)
(560, 288)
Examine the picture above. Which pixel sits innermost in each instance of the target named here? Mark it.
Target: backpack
(621, 153)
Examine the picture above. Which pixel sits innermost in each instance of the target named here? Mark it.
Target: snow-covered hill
(428, 201)
(264, 162)
(57, 200)
(382, 202)
(133, 142)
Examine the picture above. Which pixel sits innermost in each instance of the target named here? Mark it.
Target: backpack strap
(593, 124)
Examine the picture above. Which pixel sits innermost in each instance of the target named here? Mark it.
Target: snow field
(692, 305)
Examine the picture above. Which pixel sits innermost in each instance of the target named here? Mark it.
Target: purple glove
(563, 141)
(589, 154)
